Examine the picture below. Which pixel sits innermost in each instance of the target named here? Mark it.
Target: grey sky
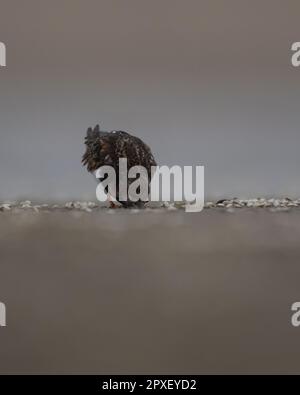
(201, 81)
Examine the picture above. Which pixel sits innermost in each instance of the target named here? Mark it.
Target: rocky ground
(229, 204)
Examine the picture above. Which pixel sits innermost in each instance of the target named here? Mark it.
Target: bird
(106, 148)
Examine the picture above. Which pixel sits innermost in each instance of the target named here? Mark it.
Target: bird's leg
(111, 202)
(112, 205)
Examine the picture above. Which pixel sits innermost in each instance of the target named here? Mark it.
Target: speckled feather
(106, 148)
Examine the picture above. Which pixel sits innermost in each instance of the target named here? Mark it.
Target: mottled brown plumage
(106, 148)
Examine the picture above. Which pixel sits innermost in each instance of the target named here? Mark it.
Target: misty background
(203, 82)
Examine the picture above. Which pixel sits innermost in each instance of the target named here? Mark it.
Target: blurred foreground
(150, 292)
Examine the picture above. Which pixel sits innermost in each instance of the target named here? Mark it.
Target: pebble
(5, 207)
(84, 206)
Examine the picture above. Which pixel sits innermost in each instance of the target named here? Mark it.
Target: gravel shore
(229, 204)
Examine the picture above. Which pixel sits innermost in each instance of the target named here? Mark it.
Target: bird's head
(92, 134)
(96, 146)
(92, 144)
